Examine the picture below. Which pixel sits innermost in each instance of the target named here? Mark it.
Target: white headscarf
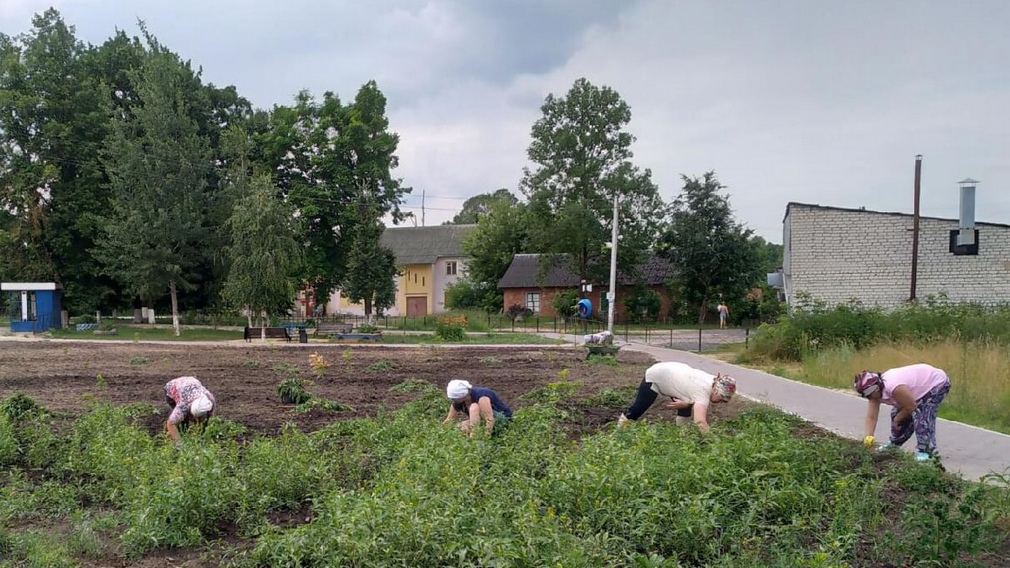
(457, 388)
(201, 406)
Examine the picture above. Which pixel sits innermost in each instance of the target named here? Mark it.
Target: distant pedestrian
(476, 403)
(723, 314)
(191, 403)
(914, 393)
(691, 392)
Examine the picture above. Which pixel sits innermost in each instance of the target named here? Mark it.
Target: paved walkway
(971, 451)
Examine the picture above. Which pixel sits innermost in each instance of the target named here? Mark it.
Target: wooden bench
(333, 328)
(271, 333)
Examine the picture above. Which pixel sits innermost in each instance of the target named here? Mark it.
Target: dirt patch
(64, 376)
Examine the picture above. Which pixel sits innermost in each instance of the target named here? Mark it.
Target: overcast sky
(788, 100)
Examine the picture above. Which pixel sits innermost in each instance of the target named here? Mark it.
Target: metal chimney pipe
(966, 221)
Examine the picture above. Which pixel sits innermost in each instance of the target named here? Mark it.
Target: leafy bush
(292, 390)
(518, 311)
(465, 294)
(565, 303)
(643, 304)
(20, 406)
(451, 328)
(812, 326)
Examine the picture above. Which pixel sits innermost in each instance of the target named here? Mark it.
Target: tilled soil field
(61, 375)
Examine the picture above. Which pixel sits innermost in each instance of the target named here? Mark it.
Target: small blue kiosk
(34, 307)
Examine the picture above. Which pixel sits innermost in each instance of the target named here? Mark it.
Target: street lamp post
(611, 293)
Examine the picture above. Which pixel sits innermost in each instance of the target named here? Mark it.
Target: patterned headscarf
(867, 383)
(724, 386)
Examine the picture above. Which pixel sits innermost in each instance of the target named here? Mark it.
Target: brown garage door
(417, 305)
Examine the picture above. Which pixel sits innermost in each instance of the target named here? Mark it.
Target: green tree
(263, 254)
(582, 159)
(770, 254)
(158, 163)
(500, 234)
(371, 268)
(321, 153)
(480, 205)
(54, 122)
(711, 250)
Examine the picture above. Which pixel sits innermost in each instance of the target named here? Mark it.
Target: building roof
(424, 245)
(525, 272)
(792, 204)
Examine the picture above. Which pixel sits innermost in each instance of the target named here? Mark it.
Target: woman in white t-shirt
(914, 393)
(691, 391)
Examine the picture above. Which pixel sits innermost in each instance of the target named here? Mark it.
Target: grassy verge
(979, 373)
(147, 333)
(481, 339)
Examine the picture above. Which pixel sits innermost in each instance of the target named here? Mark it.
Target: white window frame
(533, 301)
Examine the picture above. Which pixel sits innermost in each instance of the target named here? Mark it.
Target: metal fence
(687, 338)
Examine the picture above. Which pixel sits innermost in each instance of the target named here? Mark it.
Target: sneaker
(622, 421)
(922, 456)
(888, 447)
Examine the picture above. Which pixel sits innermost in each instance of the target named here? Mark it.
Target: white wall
(443, 280)
(836, 255)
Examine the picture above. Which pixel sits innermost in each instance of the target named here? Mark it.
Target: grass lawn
(481, 339)
(148, 333)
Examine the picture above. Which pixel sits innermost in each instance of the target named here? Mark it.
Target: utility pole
(612, 292)
(915, 226)
(422, 207)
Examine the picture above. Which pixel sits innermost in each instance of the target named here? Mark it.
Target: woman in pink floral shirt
(191, 402)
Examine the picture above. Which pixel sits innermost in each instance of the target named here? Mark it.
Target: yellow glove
(868, 441)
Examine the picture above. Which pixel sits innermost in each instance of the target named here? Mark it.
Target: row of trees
(124, 176)
(581, 158)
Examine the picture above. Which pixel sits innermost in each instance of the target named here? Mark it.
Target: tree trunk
(263, 326)
(175, 308)
(702, 311)
(368, 309)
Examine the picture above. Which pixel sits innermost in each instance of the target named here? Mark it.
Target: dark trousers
(644, 399)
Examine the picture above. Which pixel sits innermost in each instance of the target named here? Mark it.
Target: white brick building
(837, 255)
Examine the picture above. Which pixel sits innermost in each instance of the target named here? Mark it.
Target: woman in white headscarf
(475, 403)
(191, 402)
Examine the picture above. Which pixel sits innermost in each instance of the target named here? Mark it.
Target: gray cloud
(787, 101)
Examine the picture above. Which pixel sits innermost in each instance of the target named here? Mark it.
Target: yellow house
(429, 259)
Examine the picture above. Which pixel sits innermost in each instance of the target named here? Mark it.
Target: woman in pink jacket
(914, 393)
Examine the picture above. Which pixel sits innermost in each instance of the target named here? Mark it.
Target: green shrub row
(812, 326)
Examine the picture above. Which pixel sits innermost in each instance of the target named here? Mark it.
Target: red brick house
(528, 283)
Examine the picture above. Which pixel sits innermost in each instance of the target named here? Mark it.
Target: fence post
(746, 337)
(671, 338)
(699, 340)
(626, 331)
(538, 324)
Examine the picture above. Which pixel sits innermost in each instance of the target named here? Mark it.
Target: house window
(533, 301)
(450, 268)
